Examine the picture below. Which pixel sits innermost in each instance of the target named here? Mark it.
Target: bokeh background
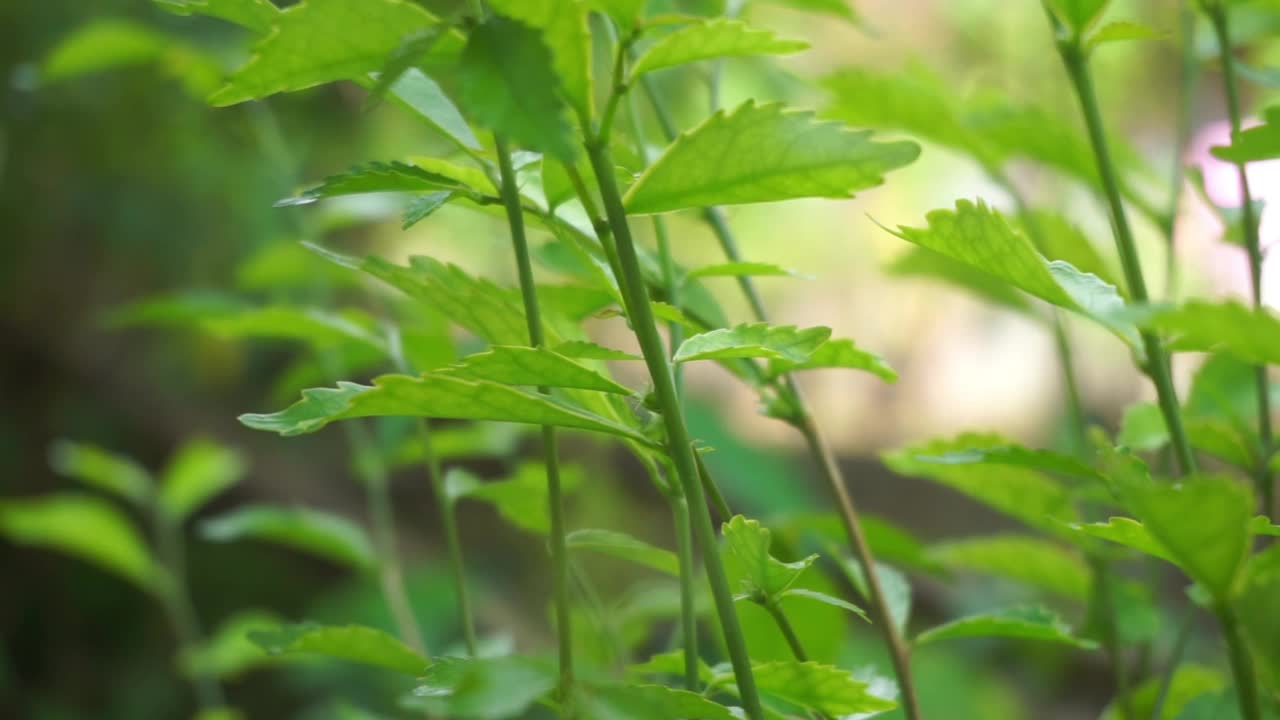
(121, 185)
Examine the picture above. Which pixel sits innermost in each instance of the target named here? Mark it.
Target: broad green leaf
(646, 702)
(507, 83)
(1210, 550)
(564, 30)
(590, 351)
(713, 38)
(980, 237)
(741, 269)
(320, 533)
(200, 470)
(516, 365)
(1058, 239)
(1189, 681)
(1024, 493)
(422, 207)
(1037, 563)
(1252, 335)
(103, 45)
(381, 177)
(93, 465)
(838, 353)
(255, 15)
(1256, 608)
(762, 340)
(1014, 455)
(229, 652)
(1122, 31)
(1261, 142)
(432, 396)
(320, 41)
(413, 48)
(1128, 532)
(87, 527)
(356, 643)
(1028, 622)
(894, 585)
(767, 154)
(824, 689)
(521, 499)
(422, 96)
(484, 688)
(1142, 427)
(825, 599)
(624, 546)
(747, 541)
(1079, 15)
(921, 262)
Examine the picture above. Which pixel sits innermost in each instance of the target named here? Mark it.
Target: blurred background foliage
(120, 184)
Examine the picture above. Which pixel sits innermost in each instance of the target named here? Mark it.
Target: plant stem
(688, 604)
(550, 449)
(788, 632)
(1187, 76)
(1175, 658)
(1241, 664)
(1252, 243)
(1157, 361)
(678, 440)
(177, 603)
(1105, 597)
(449, 523)
(817, 445)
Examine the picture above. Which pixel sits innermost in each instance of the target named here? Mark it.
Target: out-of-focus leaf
(1079, 15)
(255, 15)
(93, 465)
(356, 643)
(1024, 493)
(103, 45)
(432, 396)
(483, 688)
(747, 541)
(1031, 623)
(1014, 455)
(564, 30)
(1122, 31)
(770, 154)
(516, 365)
(1189, 681)
(714, 38)
(591, 351)
(1058, 239)
(647, 702)
(282, 265)
(888, 541)
(422, 96)
(320, 41)
(894, 585)
(422, 207)
(324, 534)
(838, 8)
(87, 527)
(1038, 563)
(825, 599)
(922, 262)
(1142, 427)
(1252, 335)
(381, 177)
(624, 546)
(521, 499)
(837, 353)
(780, 342)
(199, 471)
(1256, 607)
(670, 663)
(1261, 142)
(1128, 532)
(741, 269)
(823, 689)
(229, 652)
(508, 84)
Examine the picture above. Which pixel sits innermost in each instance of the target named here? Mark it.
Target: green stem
(788, 632)
(1241, 664)
(688, 598)
(1187, 77)
(449, 523)
(1073, 57)
(550, 449)
(1102, 578)
(1175, 658)
(678, 439)
(178, 605)
(1253, 246)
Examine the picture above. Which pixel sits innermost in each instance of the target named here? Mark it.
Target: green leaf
(1028, 622)
(356, 643)
(1128, 532)
(1058, 239)
(1037, 563)
(484, 688)
(255, 15)
(422, 208)
(564, 30)
(320, 41)
(741, 269)
(1189, 681)
(521, 499)
(1122, 31)
(1261, 142)
(838, 8)
(713, 38)
(1256, 608)
(1142, 427)
(670, 663)
(422, 96)
(432, 396)
(103, 45)
(825, 599)
(507, 83)
(199, 471)
(1079, 15)
(584, 350)
(747, 541)
(824, 689)
(312, 531)
(894, 585)
(516, 365)
(1014, 455)
(286, 264)
(229, 652)
(921, 262)
(1252, 335)
(837, 353)
(1024, 493)
(87, 527)
(624, 546)
(376, 177)
(767, 154)
(646, 702)
(92, 465)
(780, 342)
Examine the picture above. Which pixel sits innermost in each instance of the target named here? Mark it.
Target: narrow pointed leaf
(781, 342)
(94, 466)
(86, 527)
(437, 396)
(624, 546)
(516, 365)
(815, 596)
(1038, 563)
(319, 533)
(747, 541)
(824, 689)
(1122, 31)
(380, 177)
(647, 702)
(837, 8)
(422, 96)
(355, 643)
(484, 688)
(590, 351)
(1030, 623)
(424, 206)
(711, 39)
(894, 585)
(1252, 144)
(741, 269)
(200, 471)
(838, 353)
(767, 153)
